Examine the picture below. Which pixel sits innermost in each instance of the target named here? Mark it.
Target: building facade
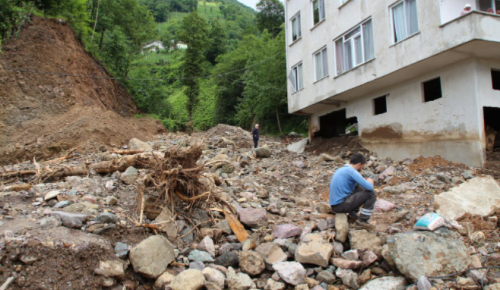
(419, 77)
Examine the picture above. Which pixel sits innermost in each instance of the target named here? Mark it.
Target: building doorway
(336, 124)
(492, 128)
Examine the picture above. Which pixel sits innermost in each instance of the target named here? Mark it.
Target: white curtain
(325, 63)
(318, 66)
(300, 83)
(368, 40)
(412, 20)
(339, 53)
(398, 14)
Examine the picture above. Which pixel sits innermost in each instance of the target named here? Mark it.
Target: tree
(194, 34)
(218, 42)
(271, 16)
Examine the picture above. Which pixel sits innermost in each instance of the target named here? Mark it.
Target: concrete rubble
(84, 231)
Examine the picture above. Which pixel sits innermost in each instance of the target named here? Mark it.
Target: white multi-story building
(419, 77)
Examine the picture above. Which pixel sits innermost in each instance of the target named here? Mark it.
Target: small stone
(315, 251)
(188, 280)
(238, 281)
(130, 175)
(51, 194)
(351, 255)
(200, 256)
(71, 220)
(164, 279)
(291, 272)
(251, 263)
(253, 217)
(326, 277)
(365, 276)
(477, 238)
(324, 208)
(110, 200)
(49, 222)
(349, 278)
(214, 276)
(346, 264)
(197, 266)
(110, 268)
(271, 253)
(224, 226)
(386, 283)
(106, 218)
(62, 204)
(152, 256)
(207, 244)
(286, 231)
(273, 285)
(229, 259)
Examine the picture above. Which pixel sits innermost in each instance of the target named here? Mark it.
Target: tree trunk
(102, 38)
(95, 24)
(278, 118)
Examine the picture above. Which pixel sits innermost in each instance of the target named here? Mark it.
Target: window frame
(319, 12)
(391, 8)
(296, 68)
(351, 39)
(324, 61)
(299, 36)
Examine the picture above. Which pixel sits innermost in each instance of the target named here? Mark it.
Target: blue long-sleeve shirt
(343, 182)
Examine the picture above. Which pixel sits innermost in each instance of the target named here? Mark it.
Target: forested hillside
(212, 61)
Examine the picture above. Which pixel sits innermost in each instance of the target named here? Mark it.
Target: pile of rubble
(208, 212)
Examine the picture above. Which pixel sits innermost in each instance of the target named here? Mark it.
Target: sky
(249, 3)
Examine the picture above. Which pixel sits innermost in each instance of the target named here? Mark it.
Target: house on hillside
(417, 77)
(180, 45)
(153, 46)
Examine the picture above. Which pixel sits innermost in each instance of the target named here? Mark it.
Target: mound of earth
(45, 111)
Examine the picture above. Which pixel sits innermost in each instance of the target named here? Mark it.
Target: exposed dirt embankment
(45, 113)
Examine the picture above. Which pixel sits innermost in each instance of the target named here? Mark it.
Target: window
(380, 105)
(296, 31)
(495, 79)
(318, 11)
(404, 19)
(320, 65)
(296, 78)
(354, 47)
(343, 1)
(432, 90)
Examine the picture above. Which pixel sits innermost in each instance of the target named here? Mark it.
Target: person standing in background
(255, 134)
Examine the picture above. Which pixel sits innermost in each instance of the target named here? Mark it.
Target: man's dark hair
(357, 158)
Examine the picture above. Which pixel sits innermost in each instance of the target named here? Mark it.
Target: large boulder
(263, 152)
(253, 217)
(188, 280)
(386, 283)
(152, 256)
(291, 272)
(298, 147)
(469, 197)
(314, 250)
(136, 144)
(427, 254)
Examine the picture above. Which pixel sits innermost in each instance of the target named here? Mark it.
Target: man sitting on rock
(346, 197)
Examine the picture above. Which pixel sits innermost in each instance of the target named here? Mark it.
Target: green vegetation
(233, 70)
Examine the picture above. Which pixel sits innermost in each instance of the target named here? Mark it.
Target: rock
(365, 276)
(121, 250)
(110, 269)
(62, 204)
(188, 280)
(348, 277)
(291, 272)
(107, 282)
(49, 222)
(214, 276)
(83, 207)
(324, 208)
(163, 279)
(273, 285)
(253, 217)
(368, 258)
(262, 152)
(351, 255)
(346, 264)
(424, 284)
(341, 227)
(89, 198)
(363, 240)
(314, 250)
(397, 189)
(271, 253)
(200, 256)
(110, 200)
(386, 283)
(286, 231)
(495, 286)
(326, 157)
(197, 266)
(207, 245)
(251, 263)
(437, 253)
(224, 226)
(51, 194)
(229, 259)
(28, 260)
(106, 218)
(130, 175)
(211, 286)
(298, 147)
(469, 198)
(302, 287)
(99, 229)
(238, 281)
(71, 220)
(477, 238)
(136, 144)
(151, 257)
(326, 277)
(167, 223)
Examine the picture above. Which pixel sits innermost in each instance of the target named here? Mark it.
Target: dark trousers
(255, 143)
(353, 203)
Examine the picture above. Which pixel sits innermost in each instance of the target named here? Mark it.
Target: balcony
(453, 9)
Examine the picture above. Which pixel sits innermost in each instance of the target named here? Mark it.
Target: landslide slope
(42, 114)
